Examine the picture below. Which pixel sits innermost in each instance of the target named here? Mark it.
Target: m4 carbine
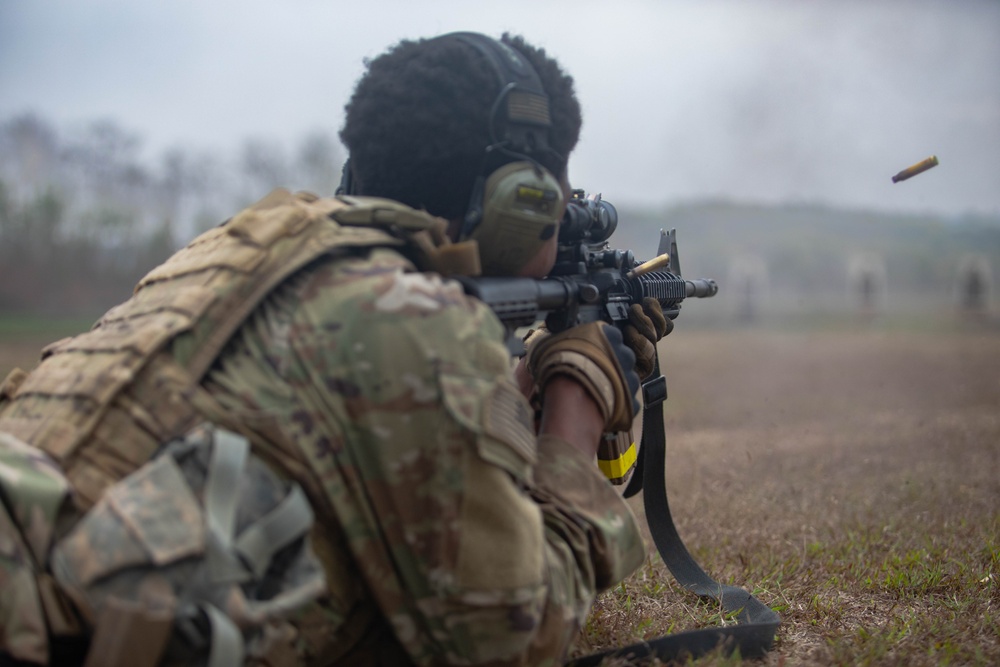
(590, 280)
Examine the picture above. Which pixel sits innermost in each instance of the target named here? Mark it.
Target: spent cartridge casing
(918, 168)
(652, 265)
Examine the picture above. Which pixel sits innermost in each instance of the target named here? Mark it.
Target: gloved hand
(596, 356)
(646, 326)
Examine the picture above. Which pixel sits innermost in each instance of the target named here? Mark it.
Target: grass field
(850, 479)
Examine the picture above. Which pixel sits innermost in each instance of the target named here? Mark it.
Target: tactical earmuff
(521, 205)
(515, 209)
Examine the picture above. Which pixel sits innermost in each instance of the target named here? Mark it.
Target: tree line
(84, 214)
(812, 258)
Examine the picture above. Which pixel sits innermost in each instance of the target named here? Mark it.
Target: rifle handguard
(585, 354)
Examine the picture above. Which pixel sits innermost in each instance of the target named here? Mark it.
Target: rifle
(591, 281)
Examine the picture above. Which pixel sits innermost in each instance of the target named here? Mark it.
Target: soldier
(398, 504)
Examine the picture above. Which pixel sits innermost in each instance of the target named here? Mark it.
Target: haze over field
(770, 101)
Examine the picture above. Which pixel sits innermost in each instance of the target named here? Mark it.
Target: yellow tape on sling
(616, 469)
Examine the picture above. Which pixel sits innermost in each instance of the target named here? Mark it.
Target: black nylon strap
(756, 622)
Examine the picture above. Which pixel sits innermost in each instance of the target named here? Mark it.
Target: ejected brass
(651, 265)
(918, 168)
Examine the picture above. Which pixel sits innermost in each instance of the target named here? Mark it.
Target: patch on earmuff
(537, 196)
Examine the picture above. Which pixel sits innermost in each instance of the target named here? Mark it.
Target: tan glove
(646, 326)
(595, 355)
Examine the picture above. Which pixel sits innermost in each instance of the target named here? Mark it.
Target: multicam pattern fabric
(32, 492)
(392, 389)
(170, 541)
(35, 490)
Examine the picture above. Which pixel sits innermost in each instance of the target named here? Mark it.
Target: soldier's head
(438, 124)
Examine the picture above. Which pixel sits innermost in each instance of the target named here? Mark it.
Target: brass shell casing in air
(918, 168)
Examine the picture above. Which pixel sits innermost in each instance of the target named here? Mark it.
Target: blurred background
(766, 132)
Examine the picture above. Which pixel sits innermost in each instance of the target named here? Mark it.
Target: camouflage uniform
(448, 532)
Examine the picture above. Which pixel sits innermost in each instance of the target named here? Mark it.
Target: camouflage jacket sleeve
(479, 543)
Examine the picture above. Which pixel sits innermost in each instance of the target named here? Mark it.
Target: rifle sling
(756, 625)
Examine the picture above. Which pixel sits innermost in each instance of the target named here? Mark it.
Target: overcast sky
(769, 101)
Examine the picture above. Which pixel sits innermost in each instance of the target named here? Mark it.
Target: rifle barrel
(701, 287)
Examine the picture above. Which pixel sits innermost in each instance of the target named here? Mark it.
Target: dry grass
(851, 480)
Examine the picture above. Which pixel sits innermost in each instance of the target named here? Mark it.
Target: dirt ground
(851, 480)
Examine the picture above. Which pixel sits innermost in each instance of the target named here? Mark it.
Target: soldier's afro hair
(417, 125)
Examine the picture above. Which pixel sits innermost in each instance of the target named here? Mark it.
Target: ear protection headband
(520, 96)
(515, 209)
